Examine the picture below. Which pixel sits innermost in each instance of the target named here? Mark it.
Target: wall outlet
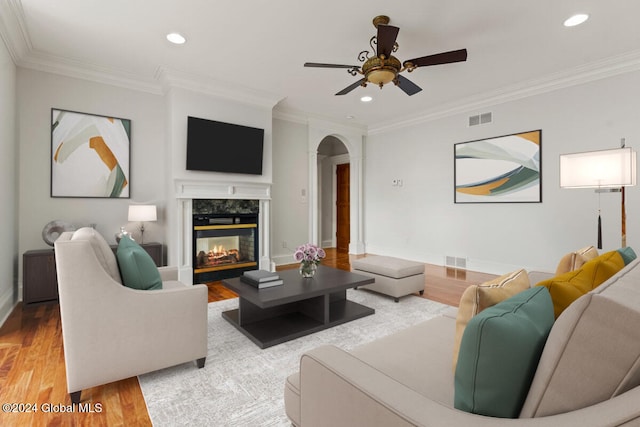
(284, 244)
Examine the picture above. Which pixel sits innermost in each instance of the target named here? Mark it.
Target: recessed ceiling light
(350, 117)
(366, 98)
(576, 20)
(176, 38)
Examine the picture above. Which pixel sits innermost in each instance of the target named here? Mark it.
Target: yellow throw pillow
(478, 297)
(568, 287)
(575, 260)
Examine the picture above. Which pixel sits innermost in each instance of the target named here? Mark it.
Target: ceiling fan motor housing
(381, 71)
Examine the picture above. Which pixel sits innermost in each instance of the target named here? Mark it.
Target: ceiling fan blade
(440, 58)
(349, 88)
(387, 35)
(409, 87)
(319, 65)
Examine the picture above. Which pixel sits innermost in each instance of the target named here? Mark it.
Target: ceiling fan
(384, 68)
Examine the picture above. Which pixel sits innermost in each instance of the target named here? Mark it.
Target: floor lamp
(606, 171)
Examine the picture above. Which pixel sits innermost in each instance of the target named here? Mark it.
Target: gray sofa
(588, 374)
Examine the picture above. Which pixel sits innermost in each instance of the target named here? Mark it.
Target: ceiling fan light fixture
(381, 77)
(576, 19)
(380, 70)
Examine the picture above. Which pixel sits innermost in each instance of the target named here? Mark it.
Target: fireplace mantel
(222, 190)
(187, 190)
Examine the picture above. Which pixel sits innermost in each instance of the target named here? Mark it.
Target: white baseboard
(283, 259)
(7, 303)
(481, 266)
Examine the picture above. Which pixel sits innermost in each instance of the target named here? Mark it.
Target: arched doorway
(334, 194)
(352, 139)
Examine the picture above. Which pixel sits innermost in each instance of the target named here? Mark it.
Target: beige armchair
(111, 332)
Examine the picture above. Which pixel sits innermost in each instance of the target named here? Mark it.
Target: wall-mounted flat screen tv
(223, 147)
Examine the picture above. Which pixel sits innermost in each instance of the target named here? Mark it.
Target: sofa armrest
(338, 389)
(168, 273)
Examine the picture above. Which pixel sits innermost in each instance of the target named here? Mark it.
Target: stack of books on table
(261, 278)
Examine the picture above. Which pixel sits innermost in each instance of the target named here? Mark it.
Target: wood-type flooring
(33, 388)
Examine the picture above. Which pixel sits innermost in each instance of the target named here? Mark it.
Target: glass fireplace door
(223, 247)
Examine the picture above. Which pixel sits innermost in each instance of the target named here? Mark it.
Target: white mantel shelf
(187, 191)
(222, 190)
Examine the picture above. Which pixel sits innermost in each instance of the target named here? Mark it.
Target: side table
(39, 282)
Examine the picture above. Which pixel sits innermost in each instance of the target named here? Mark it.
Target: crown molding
(335, 126)
(82, 70)
(13, 29)
(302, 117)
(587, 73)
(289, 115)
(170, 78)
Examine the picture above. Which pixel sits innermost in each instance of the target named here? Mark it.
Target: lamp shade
(598, 169)
(143, 213)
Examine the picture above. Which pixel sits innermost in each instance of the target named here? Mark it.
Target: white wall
(420, 221)
(38, 93)
(290, 211)
(8, 185)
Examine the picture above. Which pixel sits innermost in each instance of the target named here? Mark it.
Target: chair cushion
(103, 251)
(138, 269)
(575, 260)
(478, 297)
(499, 354)
(570, 286)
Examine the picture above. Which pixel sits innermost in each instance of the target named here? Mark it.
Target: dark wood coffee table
(296, 308)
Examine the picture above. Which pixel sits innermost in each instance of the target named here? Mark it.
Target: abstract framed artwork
(89, 155)
(503, 169)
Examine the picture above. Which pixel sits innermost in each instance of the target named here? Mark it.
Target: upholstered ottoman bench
(394, 276)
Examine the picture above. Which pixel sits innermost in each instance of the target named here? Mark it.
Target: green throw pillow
(137, 268)
(627, 254)
(499, 354)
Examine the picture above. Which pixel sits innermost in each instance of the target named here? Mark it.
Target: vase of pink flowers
(309, 256)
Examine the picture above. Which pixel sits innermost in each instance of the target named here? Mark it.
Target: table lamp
(142, 213)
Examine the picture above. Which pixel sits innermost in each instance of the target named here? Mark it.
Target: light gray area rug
(242, 385)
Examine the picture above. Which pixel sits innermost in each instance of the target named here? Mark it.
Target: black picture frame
(501, 169)
(90, 155)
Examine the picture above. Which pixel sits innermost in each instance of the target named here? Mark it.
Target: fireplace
(212, 202)
(224, 245)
